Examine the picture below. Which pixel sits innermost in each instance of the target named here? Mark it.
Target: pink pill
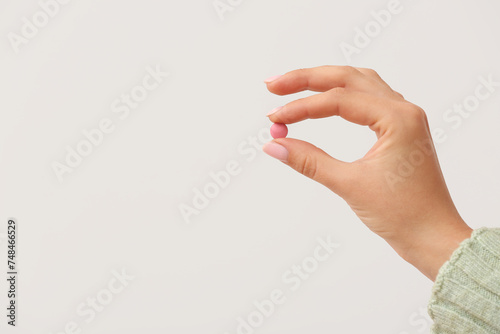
(279, 130)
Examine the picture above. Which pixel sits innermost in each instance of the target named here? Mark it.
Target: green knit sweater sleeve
(466, 295)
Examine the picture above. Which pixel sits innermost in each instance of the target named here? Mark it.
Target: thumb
(310, 161)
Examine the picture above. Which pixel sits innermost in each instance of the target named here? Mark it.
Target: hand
(396, 189)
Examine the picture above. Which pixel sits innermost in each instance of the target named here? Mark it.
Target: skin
(397, 189)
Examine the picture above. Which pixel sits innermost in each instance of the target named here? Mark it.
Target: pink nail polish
(276, 151)
(273, 111)
(271, 79)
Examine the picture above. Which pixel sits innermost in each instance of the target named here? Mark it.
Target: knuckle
(308, 167)
(337, 95)
(301, 77)
(337, 91)
(416, 113)
(347, 70)
(398, 94)
(306, 109)
(300, 107)
(414, 117)
(371, 71)
(300, 71)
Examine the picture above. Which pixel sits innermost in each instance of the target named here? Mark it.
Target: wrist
(428, 250)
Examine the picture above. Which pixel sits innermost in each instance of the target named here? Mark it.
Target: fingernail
(274, 110)
(271, 79)
(276, 151)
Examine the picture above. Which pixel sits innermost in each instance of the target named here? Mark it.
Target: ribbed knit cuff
(466, 295)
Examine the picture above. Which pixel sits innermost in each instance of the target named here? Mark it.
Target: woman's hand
(397, 189)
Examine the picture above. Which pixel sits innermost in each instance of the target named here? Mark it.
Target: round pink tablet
(279, 130)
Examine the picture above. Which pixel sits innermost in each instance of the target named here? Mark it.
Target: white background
(119, 209)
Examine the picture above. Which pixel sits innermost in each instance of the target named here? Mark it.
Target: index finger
(353, 106)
